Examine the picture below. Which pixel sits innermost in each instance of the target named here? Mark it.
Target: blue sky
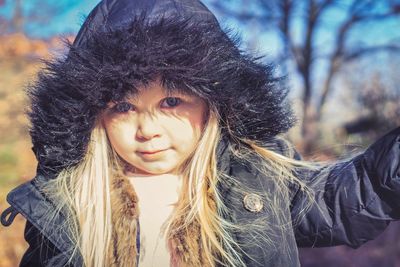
(67, 20)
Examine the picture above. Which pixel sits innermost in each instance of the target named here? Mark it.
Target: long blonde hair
(83, 192)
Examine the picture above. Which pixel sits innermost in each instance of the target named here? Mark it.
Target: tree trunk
(309, 130)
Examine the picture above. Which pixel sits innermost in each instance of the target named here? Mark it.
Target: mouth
(151, 152)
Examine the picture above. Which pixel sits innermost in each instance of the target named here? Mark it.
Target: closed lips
(150, 152)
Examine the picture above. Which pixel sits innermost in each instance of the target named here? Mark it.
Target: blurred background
(341, 58)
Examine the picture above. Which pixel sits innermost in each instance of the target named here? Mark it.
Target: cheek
(199, 117)
(187, 129)
(183, 128)
(120, 135)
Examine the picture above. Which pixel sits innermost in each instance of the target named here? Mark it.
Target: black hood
(124, 44)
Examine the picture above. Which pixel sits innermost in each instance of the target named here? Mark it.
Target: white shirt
(156, 194)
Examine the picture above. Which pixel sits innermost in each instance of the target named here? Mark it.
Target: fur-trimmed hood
(126, 43)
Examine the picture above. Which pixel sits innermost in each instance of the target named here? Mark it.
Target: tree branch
(368, 50)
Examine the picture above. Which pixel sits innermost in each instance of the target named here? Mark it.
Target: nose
(148, 127)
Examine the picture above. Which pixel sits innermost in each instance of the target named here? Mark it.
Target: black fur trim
(199, 57)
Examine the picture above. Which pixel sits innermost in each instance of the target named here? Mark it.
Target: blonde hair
(83, 192)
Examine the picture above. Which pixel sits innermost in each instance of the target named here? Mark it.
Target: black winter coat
(358, 200)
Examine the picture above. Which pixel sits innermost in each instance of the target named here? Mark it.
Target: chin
(154, 171)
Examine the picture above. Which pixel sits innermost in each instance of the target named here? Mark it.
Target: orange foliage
(19, 63)
(18, 45)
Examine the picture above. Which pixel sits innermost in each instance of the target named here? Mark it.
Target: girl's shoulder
(27, 200)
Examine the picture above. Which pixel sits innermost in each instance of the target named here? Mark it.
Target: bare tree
(285, 16)
(378, 100)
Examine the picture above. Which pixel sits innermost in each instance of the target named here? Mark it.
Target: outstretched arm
(355, 200)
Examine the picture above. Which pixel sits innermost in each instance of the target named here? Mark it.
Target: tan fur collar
(125, 212)
(184, 246)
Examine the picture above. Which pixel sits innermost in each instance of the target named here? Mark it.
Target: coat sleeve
(355, 200)
(40, 251)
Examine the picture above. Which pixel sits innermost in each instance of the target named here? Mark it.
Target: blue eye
(173, 101)
(122, 107)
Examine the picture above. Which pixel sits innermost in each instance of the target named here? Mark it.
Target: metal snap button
(253, 202)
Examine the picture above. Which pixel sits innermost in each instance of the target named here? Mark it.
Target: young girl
(160, 143)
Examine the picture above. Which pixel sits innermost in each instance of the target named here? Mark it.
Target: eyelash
(123, 107)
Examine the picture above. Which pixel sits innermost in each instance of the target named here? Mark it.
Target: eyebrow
(182, 92)
(167, 93)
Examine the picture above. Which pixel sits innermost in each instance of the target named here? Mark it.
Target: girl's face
(153, 131)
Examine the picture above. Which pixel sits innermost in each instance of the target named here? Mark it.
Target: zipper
(137, 242)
